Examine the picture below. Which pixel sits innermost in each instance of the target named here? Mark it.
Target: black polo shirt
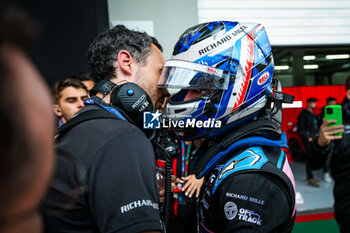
(120, 180)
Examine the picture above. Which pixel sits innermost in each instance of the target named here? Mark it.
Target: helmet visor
(188, 75)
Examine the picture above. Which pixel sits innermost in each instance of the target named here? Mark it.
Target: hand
(310, 139)
(161, 192)
(192, 185)
(175, 181)
(327, 134)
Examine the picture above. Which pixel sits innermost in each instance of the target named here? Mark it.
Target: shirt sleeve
(250, 202)
(318, 155)
(302, 126)
(123, 194)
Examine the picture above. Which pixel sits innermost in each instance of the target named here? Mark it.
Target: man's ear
(125, 62)
(57, 110)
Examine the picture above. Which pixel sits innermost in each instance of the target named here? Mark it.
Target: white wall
(170, 17)
(287, 22)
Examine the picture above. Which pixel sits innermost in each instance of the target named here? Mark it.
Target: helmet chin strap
(275, 96)
(103, 86)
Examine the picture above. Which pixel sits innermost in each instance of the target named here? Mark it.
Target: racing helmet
(219, 72)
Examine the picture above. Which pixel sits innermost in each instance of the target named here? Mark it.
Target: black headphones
(129, 97)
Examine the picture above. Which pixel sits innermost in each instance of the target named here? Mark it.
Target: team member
(220, 80)
(118, 158)
(308, 130)
(69, 96)
(339, 146)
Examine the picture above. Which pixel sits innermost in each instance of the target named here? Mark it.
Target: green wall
(324, 226)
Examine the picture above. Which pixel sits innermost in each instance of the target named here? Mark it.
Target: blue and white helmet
(220, 71)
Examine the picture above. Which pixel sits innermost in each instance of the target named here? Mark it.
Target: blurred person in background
(346, 99)
(339, 146)
(69, 96)
(329, 101)
(27, 128)
(308, 130)
(86, 79)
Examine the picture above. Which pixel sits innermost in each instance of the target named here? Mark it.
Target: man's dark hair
(347, 83)
(104, 50)
(329, 99)
(59, 86)
(83, 76)
(311, 100)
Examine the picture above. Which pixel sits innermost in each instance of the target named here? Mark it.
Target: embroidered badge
(231, 210)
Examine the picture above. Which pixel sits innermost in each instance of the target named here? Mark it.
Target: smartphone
(334, 112)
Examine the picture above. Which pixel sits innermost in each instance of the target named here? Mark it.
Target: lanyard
(185, 157)
(110, 109)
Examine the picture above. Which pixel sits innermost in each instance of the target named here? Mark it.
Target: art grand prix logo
(152, 120)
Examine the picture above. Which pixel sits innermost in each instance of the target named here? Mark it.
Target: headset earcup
(132, 99)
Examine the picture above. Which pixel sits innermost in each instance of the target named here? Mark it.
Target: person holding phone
(328, 141)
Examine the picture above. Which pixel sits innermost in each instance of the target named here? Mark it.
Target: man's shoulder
(300, 115)
(255, 182)
(106, 127)
(87, 138)
(246, 179)
(304, 112)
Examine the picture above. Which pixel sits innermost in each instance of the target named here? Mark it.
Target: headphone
(129, 97)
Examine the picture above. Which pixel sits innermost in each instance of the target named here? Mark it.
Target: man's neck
(63, 120)
(310, 110)
(105, 99)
